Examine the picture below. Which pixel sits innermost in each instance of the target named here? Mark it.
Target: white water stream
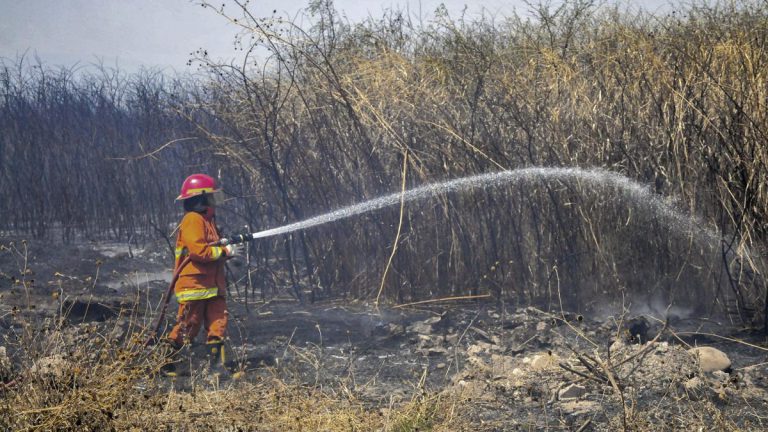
(597, 177)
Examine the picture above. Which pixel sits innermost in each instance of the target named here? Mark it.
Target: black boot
(217, 358)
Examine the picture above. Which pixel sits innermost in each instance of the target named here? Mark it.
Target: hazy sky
(162, 33)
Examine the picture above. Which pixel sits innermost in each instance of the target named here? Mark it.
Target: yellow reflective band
(196, 294)
(180, 251)
(199, 190)
(215, 252)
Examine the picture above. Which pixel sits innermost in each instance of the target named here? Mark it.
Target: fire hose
(234, 239)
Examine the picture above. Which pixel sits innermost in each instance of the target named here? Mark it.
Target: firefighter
(201, 284)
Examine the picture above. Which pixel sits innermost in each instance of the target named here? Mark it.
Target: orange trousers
(212, 312)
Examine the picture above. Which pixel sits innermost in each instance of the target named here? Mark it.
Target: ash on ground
(514, 368)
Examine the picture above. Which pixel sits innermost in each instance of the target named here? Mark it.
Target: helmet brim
(215, 192)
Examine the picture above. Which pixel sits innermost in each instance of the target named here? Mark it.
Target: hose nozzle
(234, 239)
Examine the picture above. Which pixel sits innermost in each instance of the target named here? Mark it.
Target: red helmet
(197, 184)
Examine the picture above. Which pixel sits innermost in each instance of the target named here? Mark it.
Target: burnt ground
(513, 368)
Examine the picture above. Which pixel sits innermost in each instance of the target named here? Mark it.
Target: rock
(710, 359)
(452, 339)
(52, 368)
(423, 327)
(423, 341)
(420, 328)
(479, 348)
(475, 389)
(479, 364)
(434, 351)
(427, 338)
(573, 391)
(579, 407)
(724, 376)
(488, 337)
(544, 361)
(542, 326)
(395, 329)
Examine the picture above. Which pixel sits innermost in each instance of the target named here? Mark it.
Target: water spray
(594, 176)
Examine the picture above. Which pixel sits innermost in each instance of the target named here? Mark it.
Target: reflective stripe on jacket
(203, 276)
(196, 294)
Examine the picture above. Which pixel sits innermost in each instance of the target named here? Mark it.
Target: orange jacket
(203, 277)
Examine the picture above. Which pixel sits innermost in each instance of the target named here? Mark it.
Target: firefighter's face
(213, 198)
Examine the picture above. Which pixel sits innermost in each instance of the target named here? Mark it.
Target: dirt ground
(511, 368)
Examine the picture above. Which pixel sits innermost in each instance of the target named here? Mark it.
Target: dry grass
(123, 401)
(82, 377)
(272, 405)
